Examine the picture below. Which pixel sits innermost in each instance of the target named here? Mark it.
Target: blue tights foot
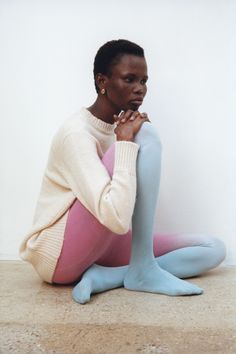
(152, 278)
(98, 279)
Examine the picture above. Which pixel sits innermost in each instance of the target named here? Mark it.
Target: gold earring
(103, 91)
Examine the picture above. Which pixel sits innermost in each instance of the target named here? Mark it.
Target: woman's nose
(140, 89)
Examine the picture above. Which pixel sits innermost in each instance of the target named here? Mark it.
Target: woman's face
(126, 87)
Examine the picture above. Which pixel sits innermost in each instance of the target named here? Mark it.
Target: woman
(103, 175)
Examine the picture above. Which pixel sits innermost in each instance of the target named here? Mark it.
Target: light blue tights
(145, 272)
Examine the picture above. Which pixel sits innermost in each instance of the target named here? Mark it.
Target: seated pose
(94, 218)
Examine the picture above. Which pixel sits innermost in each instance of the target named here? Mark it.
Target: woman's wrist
(124, 138)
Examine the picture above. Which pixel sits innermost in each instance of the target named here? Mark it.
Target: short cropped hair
(110, 54)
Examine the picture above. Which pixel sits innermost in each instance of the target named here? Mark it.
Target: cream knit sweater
(74, 170)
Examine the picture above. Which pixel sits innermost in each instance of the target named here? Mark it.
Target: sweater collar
(96, 122)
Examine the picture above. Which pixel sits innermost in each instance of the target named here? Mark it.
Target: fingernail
(122, 120)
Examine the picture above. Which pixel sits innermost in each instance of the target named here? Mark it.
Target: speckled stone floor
(36, 317)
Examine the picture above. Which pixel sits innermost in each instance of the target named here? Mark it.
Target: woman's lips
(137, 102)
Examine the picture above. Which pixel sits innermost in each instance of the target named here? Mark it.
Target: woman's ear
(100, 80)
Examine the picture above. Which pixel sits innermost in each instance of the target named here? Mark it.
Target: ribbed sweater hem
(44, 249)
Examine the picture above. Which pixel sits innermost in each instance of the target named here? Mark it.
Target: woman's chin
(134, 106)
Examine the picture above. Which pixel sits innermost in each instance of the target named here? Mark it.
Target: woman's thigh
(85, 239)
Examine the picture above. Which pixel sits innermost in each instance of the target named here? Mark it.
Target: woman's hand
(128, 124)
(131, 115)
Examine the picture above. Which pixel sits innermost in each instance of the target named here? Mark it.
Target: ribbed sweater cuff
(125, 156)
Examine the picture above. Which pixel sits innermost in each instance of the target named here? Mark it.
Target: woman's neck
(103, 110)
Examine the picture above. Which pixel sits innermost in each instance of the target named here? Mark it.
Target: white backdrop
(47, 52)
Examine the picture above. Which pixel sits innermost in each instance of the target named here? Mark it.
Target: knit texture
(75, 170)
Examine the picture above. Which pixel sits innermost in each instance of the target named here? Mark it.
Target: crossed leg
(183, 255)
(87, 242)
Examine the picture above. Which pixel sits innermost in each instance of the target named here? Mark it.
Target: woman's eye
(130, 79)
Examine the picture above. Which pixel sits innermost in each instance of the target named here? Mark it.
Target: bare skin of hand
(128, 124)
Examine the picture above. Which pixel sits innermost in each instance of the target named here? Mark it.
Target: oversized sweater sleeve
(110, 199)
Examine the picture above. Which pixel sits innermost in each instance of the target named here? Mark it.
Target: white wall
(47, 52)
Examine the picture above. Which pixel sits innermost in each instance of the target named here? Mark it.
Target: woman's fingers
(134, 121)
(134, 115)
(143, 116)
(128, 115)
(118, 118)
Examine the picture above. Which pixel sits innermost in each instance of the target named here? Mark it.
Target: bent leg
(144, 273)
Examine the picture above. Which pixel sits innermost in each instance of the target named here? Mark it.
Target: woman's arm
(110, 200)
